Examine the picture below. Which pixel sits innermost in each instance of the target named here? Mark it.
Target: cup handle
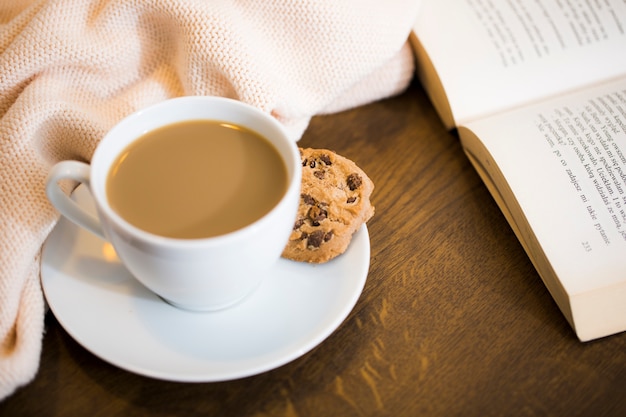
(78, 171)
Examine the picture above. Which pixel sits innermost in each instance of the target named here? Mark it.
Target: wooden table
(453, 319)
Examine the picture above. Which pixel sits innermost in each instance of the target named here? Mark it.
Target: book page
(495, 55)
(565, 163)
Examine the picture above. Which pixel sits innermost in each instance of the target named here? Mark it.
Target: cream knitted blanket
(70, 69)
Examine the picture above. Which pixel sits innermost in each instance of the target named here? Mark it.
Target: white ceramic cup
(196, 274)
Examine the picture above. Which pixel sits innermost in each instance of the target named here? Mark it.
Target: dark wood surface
(453, 319)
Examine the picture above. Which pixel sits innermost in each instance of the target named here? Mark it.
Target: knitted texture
(70, 69)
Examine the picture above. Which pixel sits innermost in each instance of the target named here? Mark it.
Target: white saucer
(110, 314)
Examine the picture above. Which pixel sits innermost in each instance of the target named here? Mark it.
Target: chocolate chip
(326, 159)
(298, 224)
(351, 200)
(354, 181)
(317, 214)
(328, 236)
(307, 199)
(315, 239)
(312, 164)
(319, 175)
(304, 162)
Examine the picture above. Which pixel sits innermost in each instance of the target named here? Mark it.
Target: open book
(537, 91)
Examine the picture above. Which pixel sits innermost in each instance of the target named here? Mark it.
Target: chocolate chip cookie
(334, 203)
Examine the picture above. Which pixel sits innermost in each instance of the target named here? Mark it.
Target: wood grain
(453, 319)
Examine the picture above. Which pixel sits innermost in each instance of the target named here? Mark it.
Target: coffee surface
(196, 179)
